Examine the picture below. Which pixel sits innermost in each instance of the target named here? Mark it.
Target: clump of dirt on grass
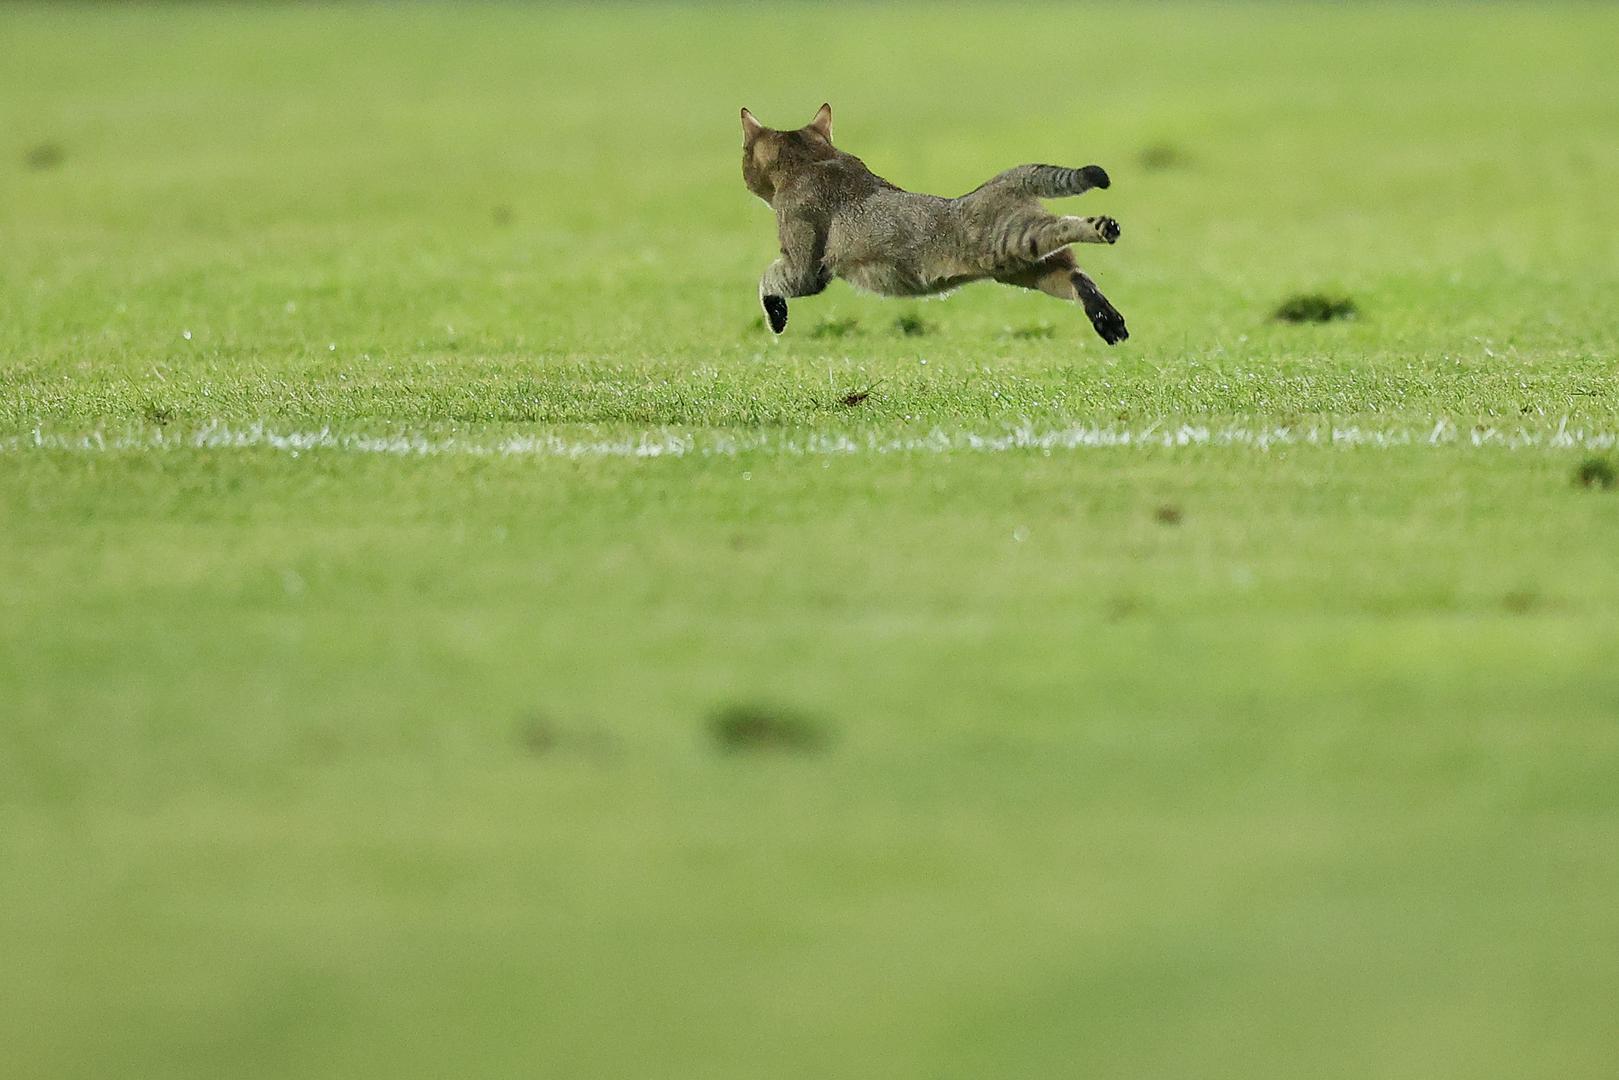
(1316, 307)
(755, 728)
(502, 215)
(45, 155)
(912, 325)
(1597, 473)
(836, 328)
(1162, 157)
(1031, 332)
(1167, 514)
(858, 397)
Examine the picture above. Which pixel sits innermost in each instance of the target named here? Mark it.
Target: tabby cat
(836, 218)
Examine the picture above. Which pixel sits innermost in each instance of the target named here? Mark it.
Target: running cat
(836, 218)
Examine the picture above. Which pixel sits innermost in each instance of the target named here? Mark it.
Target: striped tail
(1051, 181)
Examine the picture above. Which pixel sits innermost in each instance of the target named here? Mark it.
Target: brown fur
(836, 218)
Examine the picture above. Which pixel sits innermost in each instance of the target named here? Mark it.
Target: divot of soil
(45, 155)
(1316, 308)
(1162, 157)
(1597, 473)
(754, 728)
(836, 328)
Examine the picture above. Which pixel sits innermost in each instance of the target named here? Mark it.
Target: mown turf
(445, 634)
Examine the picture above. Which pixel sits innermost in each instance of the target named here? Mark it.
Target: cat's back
(834, 184)
(887, 240)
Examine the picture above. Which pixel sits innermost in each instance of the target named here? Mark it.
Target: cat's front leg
(775, 311)
(801, 270)
(781, 280)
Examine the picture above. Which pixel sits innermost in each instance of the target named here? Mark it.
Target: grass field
(397, 487)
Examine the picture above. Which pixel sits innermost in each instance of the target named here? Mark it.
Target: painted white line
(703, 443)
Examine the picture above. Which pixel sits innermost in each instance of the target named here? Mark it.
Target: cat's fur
(836, 218)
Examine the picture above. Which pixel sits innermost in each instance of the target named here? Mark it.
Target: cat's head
(769, 155)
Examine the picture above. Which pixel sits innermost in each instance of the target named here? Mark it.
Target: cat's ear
(750, 126)
(823, 122)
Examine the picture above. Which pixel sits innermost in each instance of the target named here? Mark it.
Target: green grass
(445, 634)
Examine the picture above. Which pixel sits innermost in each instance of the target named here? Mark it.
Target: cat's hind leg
(1096, 230)
(1109, 324)
(1025, 239)
(1060, 276)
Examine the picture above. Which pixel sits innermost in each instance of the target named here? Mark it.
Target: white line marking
(704, 443)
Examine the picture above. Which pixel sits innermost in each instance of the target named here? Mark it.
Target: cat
(836, 218)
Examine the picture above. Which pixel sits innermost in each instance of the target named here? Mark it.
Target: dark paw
(1107, 229)
(1108, 322)
(1095, 176)
(776, 312)
(1103, 315)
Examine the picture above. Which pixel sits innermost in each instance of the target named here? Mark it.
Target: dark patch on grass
(912, 325)
(1122, 607)
(1316, 307)
(1031, 332)
(161, 415)
(542, 737)
(1520, 601)
(502, 215)
(45, 155)
(752, 728)
(538, 736)
(1596, 472)
(1162, 157)
(1167, 514)
(836, 328)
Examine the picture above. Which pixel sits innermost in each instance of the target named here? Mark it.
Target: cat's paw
(1108, 322)
(1096, 176)
(1107, 229)
(776, 312)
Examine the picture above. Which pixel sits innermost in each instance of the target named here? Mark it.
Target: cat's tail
(1050, 181)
